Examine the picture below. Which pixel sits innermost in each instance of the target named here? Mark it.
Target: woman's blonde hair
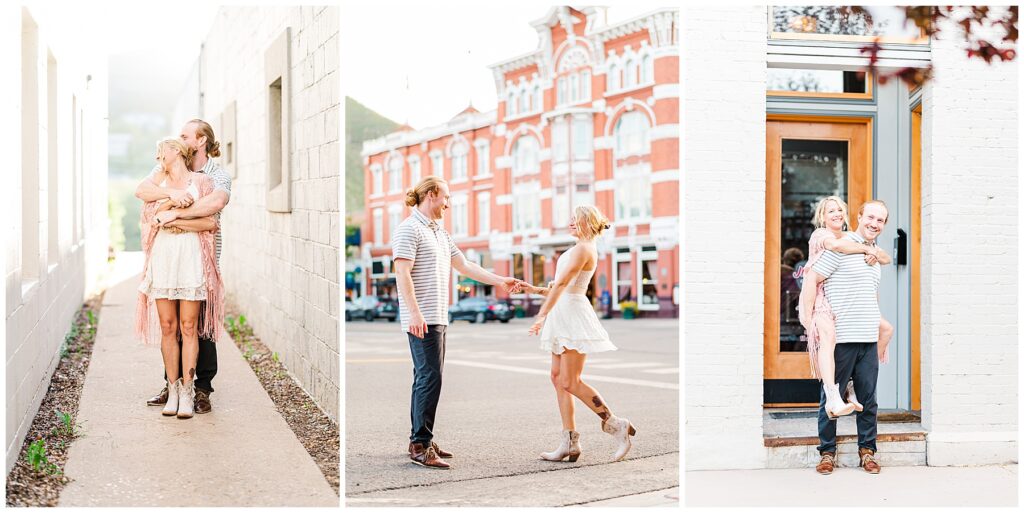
(185, 150)
(212, 145)
(590, 222)
(822, 208)
(415, 195)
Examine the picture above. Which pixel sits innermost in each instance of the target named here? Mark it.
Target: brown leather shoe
(440, 452)
(867, 461)
(158, 399)
(202, 401)
(827, 463)
(427, 458)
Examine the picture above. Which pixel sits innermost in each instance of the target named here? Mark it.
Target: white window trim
(415, 159)
(378, 227)
(463, 200)
(391, 185)
(483, 197)
(376, 171)
(482, 156)
(646, 256)
(616, 258)
(436, 155)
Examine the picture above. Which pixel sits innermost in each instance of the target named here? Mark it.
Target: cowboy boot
(621, 429)
(171, 406)
(570, 447)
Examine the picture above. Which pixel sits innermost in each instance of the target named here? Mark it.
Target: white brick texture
(723, 82)
(969, 282)
(281, 269)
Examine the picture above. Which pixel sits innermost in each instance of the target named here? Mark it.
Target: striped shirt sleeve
(221, 180)
(404, 242)
(455, 251)
(827, 263)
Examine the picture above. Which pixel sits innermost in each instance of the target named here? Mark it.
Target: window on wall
(460, 215)
(526, 206)
(395, 174)
(483, 213)
(437, 164)
(30, 145)
(459, 162)
(512, 102)
(378, 180)
(648, 278)
(483, 158)
(560, 206)
(585, 80)
(378, 225)
(394, 219)
(614, 78)
(622, 276)
(633, 192)
(818, 83)
(538, 100)
(517, 267)
(582, 138)
(560, 139)
(632, 135)
(51, 148)
(631, 73)
(537, 270)
(278, 92)
(647, 69)
(525, 156)
(560, 98)
(414, 171)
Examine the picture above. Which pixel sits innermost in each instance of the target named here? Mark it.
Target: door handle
(901, 247)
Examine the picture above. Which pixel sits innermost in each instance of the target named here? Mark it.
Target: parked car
(370, 308)
(350, 307)
(479, 309)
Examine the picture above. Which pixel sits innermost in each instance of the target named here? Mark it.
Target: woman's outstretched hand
(537, 325)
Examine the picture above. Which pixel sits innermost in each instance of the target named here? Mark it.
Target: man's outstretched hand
(512, 285)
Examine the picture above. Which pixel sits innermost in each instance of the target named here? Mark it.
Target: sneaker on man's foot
(202, 404)
(827, 463)
(427, 457)
(158, 399)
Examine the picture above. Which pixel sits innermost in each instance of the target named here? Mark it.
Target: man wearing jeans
(852, 289)
(424, 254)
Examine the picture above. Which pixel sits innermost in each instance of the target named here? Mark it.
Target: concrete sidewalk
(896, 486)
(241, 454)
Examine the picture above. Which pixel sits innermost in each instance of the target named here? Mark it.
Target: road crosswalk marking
(545, 372)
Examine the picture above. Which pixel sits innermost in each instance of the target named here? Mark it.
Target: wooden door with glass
(808, 158)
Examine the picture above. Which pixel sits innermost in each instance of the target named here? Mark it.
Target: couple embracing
(846, 335)
(181, 296)
(424, 254)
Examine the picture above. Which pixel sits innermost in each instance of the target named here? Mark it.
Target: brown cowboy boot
(827, 463)
(867, 461)
(427, 457)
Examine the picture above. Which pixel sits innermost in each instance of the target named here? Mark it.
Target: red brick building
(589, 117)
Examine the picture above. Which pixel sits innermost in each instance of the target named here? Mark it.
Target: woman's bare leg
(826, 349)
(566, 408)
(569, 380)
(188, 311)
(885, 332)
(167, 310)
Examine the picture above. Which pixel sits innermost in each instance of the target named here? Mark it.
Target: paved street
(498, 412)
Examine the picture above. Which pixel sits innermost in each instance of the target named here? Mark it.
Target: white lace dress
(572, 323)
(175, 265)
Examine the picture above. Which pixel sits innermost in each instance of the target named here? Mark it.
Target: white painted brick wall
(281, 269)
(969, 307)
(723, 82)
(38, 316)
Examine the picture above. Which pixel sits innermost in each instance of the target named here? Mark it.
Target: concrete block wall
(282, 269)
(65, 187)
(969, 190)
(723, 84)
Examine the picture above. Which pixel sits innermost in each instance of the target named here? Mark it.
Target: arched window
(560, 100)
(395, 174)
(538, 102)
(647, 70)
(574, 88)
(574, 73)
(585, 84)
(613, 78)
(631, 73)
(525, 155)
(459, 162)
(632, 134)
(513, 101)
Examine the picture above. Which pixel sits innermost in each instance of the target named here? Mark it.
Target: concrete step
(791, 439)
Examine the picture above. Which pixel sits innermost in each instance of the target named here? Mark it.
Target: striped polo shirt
(221, 180)
(431, 250)
(851, 286)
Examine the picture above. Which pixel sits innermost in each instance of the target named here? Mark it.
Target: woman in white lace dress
(180, 280)
(569, 330)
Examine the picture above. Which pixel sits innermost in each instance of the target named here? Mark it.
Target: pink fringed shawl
(147, 323)
(816, 246)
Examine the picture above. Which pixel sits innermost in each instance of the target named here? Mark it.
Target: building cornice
(457, 125)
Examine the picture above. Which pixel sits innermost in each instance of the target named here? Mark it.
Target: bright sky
(443, 50)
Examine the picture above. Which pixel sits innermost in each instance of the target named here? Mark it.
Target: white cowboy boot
(570, 447)
(186, 399)
(851, 397)
(171, 407)
(621, 429)
(834, 405)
